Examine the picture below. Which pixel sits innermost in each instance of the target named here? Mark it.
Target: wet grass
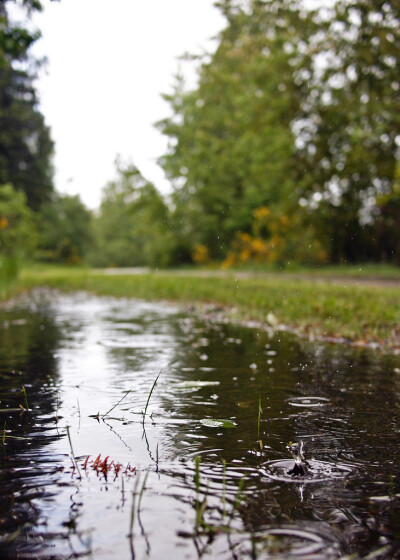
(361, 270)
(149, 396)
(334, 309)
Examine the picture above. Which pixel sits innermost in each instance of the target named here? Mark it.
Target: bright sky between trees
(108, 64)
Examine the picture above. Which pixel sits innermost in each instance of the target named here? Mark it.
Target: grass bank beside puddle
(359, 313)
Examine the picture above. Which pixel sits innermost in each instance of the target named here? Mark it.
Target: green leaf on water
(220, 423)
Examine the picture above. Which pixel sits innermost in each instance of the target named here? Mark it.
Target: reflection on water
(90, 363)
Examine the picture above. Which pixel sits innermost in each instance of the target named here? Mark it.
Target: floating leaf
(195, 384)
(211, 423)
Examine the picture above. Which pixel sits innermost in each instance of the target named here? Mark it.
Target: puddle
(175, 469)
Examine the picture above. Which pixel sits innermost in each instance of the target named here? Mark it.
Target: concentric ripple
(319, 471)
(308, 402)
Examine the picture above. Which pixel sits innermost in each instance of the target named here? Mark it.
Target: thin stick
(138, 512)
(134, 493)
(58, 405)
(26, 398)
(223, 486)
(115, 406)
(141, 492)
(132, 520)
(157, 458)
(148, 398)
(72, 452)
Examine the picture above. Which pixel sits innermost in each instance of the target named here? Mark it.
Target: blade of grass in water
(151, 391)
(260, 443)
(11, 437)
(26, 398)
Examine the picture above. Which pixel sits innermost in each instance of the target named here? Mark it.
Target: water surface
(189, 479)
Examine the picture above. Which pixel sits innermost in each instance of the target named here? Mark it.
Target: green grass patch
(356, 312)
(360, 270)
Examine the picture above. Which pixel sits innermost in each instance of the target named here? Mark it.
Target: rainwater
(99, 461)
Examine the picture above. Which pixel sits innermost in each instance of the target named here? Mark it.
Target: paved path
(381, 281)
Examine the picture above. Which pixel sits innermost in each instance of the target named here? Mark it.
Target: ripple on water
(308, 402)
(318, 471)
(300, 543)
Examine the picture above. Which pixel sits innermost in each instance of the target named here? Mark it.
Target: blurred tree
(298, 111)
(349, 135)
(17, 230)
(17, 233)
(132, 226)
(385, 231)
(232, 147)
(65, 229)
(25, 144)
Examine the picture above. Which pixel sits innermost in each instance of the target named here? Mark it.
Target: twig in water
(197, 474)
(115, 406)
(72, 452)
(151, 391)
(157, 458)
(140, 501)
(58, 406)
(134, 493)
(132, 520)
(223, 486)
(122, 489)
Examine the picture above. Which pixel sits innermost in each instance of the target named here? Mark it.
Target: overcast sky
(108, 63)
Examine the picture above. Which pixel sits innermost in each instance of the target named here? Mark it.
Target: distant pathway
(380, 281)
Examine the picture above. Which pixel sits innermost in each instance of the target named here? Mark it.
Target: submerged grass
(328, 308)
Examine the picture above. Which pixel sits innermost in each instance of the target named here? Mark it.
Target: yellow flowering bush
(275, 238)
(200, 254)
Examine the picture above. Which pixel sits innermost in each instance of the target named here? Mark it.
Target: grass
(361, 270)
(26, 398)
(357, 312)
(260, 443)
(149, 395)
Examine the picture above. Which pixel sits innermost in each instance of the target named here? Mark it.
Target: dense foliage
(65, 229)
(296, 113)
(132, 226)
(286, 151)
(25, 143)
